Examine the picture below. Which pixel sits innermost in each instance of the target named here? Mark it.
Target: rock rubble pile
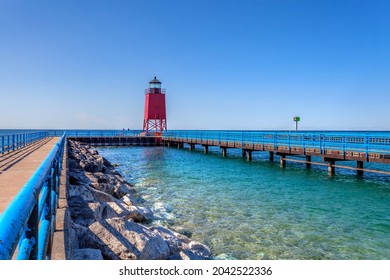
(107, 223)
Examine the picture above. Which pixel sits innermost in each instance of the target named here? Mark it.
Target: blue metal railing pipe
(11, 142)
(95, 133)
(29, 219)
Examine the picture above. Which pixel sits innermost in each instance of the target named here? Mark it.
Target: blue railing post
(275, 142)
(344, 140)
(289, 141)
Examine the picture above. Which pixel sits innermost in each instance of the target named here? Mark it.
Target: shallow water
(256, 210)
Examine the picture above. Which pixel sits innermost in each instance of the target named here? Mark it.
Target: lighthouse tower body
(155, 117)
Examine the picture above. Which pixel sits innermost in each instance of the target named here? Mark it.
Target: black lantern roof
(155, 81)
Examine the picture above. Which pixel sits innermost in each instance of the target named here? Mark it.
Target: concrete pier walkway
(18, 166)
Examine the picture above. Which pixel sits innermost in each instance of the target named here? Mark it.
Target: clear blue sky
(243, 64)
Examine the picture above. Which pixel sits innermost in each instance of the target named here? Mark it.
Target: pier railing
(95, 133)
(11, 142)
(27, 224)
(363, 142)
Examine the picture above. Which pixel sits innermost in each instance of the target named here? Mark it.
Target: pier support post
(249, 155)
(224, 151)
(179, 145)
(205, 149)
(192, 147)
(282, 161)
(360, 166)
(308, 161)
(271, 156)
(243, 152)
(331, 169)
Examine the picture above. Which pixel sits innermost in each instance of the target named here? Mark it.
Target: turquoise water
(256, 210)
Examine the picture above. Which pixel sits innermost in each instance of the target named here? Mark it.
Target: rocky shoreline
(106, 222)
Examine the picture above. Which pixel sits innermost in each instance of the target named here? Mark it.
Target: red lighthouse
(155, 117)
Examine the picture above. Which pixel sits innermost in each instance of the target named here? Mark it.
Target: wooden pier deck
(18, 166)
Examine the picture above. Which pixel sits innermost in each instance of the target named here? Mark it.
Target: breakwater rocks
(107, 223)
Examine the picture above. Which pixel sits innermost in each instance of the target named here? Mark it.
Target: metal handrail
(28, 223)
(95, 133)
(367, 142)
(11, 142)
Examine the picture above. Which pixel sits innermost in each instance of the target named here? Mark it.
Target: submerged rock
(182, 247)
(224, 257)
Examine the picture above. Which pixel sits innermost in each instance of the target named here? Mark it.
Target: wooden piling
(282, 161)
(224, 151)
(359, 166)
(308, 161)
(331, 168)
(249, 155)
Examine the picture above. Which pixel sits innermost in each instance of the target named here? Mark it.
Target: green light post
(296, 120)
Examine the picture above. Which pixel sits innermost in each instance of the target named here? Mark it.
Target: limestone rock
(80, 213)
(199, 249)
(118, 238)
(90, 194)
(128, 199)
(181, 247)
(189, 255)
(92, 164)
(78, 177)
(109, 183)
(107, 210)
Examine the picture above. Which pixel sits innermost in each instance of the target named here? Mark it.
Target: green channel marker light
(296, 120)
